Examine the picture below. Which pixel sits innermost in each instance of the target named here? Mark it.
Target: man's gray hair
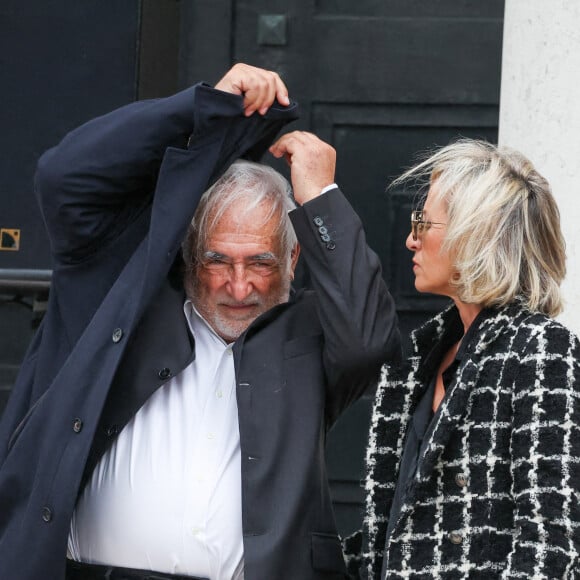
(256, 185)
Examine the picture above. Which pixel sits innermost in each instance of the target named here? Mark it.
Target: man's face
(242, 272)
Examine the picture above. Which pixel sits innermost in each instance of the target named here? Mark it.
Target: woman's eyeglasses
(419, 225)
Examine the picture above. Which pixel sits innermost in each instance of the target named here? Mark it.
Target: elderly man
(169, 419)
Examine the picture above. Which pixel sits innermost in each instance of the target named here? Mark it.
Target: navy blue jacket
(117, 195)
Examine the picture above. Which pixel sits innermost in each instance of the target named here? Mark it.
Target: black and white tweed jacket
(497, 490)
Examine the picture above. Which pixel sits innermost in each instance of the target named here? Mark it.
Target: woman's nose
(411, 243)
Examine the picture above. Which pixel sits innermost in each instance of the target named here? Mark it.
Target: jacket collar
(444, 331)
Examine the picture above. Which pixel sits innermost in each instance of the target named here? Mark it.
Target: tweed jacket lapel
(455, 403)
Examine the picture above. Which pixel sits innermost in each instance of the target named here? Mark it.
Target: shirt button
(112, 430)
(117, 335)
(219, 394)
(210, 436)
(164, 373)
(461, 479)
(455, 537)
(77, 425)
(318, 221)
(46, 514)
(330, 246)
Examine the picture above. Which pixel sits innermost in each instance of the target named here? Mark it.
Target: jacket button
(77, 425)
(318, 221)
(117, 335)
(323, 229)
(46, 514)
(455, 537)
(325, 238)
(461, 479)
(330, 246)
(164, 373)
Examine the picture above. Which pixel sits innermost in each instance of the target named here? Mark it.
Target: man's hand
(258, 86)
(312, 163)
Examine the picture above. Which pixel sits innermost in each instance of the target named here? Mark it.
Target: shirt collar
(199, 326)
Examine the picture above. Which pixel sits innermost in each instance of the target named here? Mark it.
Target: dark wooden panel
(60, 73)
(407, 60)
(381, 80)
(158, 48)
(413, 8)
(378, 59)
(206, 40)
(345, 452)
(64, 63)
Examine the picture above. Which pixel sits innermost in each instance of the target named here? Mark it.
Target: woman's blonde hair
(503, 225)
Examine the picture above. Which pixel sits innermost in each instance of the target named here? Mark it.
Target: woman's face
(431, 265)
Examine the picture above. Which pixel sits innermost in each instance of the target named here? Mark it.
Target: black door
(380, 80)
(62, 63)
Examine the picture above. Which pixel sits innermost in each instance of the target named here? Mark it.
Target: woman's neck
(467, 312)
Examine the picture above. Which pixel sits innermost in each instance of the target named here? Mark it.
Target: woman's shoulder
(542, 330)
(521, 326)
(542, 346)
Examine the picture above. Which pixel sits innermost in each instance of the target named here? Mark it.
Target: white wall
(540, 111)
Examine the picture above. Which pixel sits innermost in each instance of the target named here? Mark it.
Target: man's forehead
(246, 225)
(244, 211)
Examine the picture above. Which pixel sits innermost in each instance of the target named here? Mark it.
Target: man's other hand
(258, 86)
(312, 163)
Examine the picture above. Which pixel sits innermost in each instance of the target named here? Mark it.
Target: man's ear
(294, 259)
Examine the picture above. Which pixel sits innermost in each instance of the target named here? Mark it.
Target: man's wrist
(328, 188)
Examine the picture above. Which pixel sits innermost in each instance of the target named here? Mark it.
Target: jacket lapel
(455, 404)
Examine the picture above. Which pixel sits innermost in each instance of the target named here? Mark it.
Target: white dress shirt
(167, 494)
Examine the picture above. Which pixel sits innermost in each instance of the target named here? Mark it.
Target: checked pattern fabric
(497, 489)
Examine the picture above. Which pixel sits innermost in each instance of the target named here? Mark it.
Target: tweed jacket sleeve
(545, 455)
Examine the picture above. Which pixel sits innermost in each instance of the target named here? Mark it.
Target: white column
(540, 112)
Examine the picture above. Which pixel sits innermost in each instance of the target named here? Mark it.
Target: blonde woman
(473, 463)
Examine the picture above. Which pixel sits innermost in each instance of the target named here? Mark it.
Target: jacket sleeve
(102, 174)
(356, 311)
(545, 462)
